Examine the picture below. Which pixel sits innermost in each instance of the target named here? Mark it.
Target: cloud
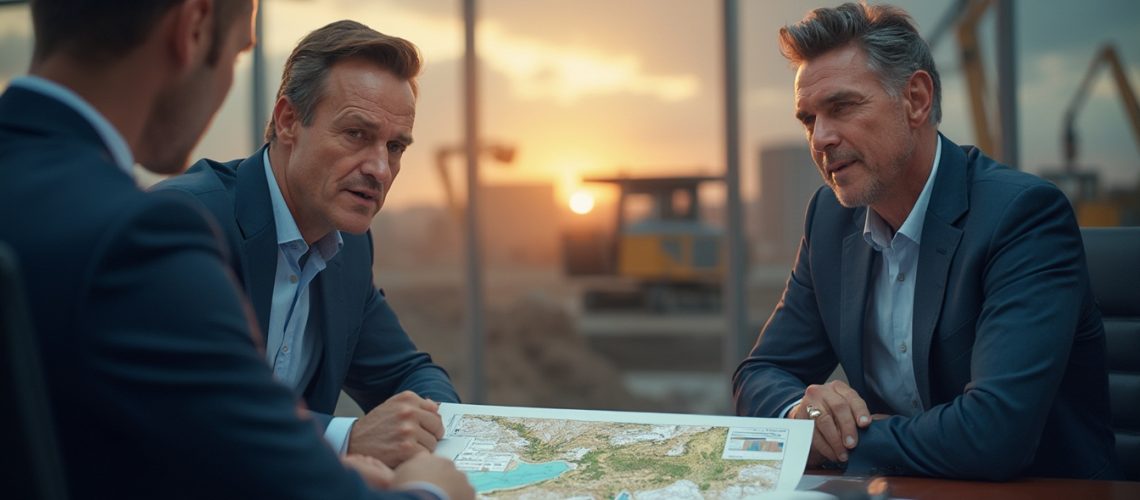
(541, 70)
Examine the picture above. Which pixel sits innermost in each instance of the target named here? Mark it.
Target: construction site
(621, 307)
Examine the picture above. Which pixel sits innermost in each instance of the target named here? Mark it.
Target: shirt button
(292, 278)
(902, 347)
(285, 348)
(902, 277)
(914, 403)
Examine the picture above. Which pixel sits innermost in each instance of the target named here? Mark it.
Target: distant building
(788, 178)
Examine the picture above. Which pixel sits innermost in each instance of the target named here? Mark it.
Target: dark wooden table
(1023, 489)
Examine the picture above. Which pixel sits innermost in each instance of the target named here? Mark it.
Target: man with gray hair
(951, 289)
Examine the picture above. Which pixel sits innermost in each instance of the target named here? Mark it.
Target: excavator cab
(663, 256)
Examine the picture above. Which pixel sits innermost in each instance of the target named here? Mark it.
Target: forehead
(357, 83)
(841, 70)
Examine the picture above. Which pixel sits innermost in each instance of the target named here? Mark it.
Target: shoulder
(996, 188)
(202, 178)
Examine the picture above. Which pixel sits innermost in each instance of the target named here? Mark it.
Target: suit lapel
(853, 287)
(254, 213)
(940, 238)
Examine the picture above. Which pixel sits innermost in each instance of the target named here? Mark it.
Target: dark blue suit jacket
(363, 347)
(157, 387)
(1009, 347)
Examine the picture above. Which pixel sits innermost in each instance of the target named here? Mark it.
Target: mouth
(365, 195)
(836, 167)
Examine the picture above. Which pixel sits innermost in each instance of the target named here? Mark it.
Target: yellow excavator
(1082, 186)
(1094, 208)
(661, 257)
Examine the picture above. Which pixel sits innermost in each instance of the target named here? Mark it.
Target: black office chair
(1113, 255)
(31, 466)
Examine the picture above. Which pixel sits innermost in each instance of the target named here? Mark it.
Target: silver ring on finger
(813, 412)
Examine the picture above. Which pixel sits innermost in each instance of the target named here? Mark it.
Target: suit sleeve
(792, 350)
(176, 364)
(1024, 332)
(386, 361)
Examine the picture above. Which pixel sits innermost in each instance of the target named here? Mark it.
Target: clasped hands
(392, 445)
(839, 413)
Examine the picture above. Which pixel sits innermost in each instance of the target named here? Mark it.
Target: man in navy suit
(952, 290)
(149, 356)
(297, 216)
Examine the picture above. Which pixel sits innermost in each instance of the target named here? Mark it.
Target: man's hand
(841, 413)
(375, 473)
(439, 471)
(398, 429)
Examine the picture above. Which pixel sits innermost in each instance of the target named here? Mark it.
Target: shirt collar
(287, 230)
(114, 141)
(876, 231)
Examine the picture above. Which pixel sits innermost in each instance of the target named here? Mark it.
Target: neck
(279, 154)
(899, 200)
(126, 107)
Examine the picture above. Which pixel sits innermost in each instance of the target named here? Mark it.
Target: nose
(824, 137)
(376, 166)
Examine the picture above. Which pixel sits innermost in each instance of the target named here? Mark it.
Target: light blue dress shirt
(120, 151)
(889, 331)
(887, 354)
(291, 349)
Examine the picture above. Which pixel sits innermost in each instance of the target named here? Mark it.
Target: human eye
(807, 121)
(396, 147)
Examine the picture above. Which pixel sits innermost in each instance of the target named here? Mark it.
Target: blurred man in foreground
(149, 355)
(952, 289)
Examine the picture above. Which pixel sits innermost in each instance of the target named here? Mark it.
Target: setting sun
(581, 202)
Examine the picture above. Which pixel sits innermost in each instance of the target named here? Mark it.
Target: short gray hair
(887, 34)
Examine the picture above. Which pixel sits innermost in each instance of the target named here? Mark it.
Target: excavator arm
(1107, 55)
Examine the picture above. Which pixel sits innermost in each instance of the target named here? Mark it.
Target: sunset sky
(601, 87)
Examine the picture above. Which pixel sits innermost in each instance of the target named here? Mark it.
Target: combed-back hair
(308, 66)
(887, 34)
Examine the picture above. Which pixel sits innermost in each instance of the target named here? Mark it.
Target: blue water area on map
(622, 496)
(523, 475)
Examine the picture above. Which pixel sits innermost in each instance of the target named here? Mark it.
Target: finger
(841, 414)
(425, 439)
(830, 432)
(429, 405)
(819, 445)
(407, 397)
(432, 423)
(374, 472)
(859, 409)
(823, 397)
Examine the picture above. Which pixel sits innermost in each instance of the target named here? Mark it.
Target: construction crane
(1107, 55)
(964, 16)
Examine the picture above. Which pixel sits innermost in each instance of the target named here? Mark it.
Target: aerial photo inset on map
(534, 458)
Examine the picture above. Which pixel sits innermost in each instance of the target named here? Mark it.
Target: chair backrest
(1113, 256)
(31, 466)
